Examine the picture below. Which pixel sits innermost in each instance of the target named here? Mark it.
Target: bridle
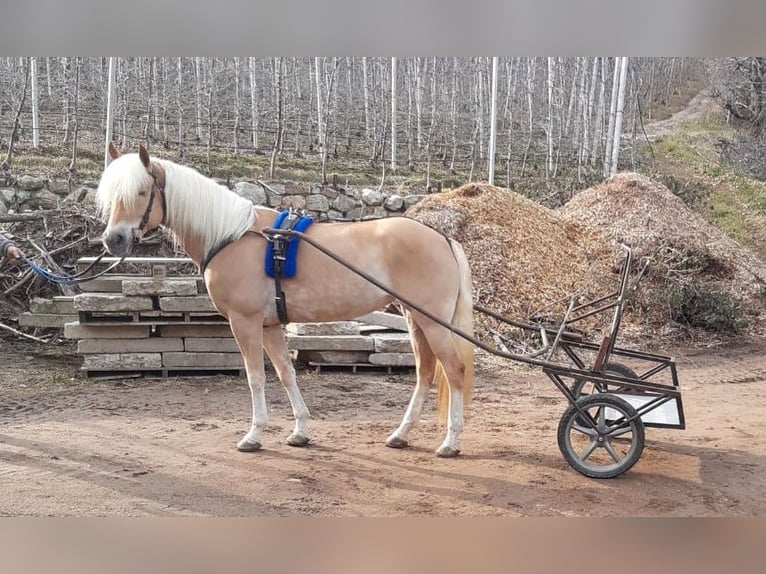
(158, 187)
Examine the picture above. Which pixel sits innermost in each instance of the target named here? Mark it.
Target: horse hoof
(447, 452)
(396, 442)
(298, 440)
(246, 445)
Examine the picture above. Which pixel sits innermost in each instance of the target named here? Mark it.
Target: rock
(76, 330)
(293, 201)
(251, 191)
(42, 199)
(106, 303)
(393, 359)
(394, 203)
(204, 360)
(334, 215)
(122, 361)
(355, 213)
(411, 200)
(330, 193)
(392, 342)
(30, 183)
(211, 345)
(335, 357)
(148, 345)
(7, 196)
(343, 203)
(159, 286)
(330, 343)
(372, 197)
(198, 303)
(317, 203)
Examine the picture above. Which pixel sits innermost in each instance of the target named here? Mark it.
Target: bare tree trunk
(612, 115)
(48, 77)
(179, 106)
(73, 163)
(599, 125)
(236, 105)
(330, 81)
(109, 111)
(165, 140)
(530, 116)
(510, 99)
(492, 125)
(365, 83)
(280, 107)
(549, 130)
(211, 82)
(618, 118)
(9, 152)
(65, 64)
(35, 104)
(393, 114)
(198, 95)
(318, 64)
(453, 115)
(253, 103)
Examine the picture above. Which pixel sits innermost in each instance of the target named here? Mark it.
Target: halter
(158, 186)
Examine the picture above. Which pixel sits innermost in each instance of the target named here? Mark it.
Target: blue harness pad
(291, 254)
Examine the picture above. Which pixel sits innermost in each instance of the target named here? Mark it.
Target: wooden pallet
(354, 367)
(96, 318)
(162, 373)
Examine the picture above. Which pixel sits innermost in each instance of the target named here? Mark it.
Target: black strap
(280, 251)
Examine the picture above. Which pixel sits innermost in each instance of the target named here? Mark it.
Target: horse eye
(142, 193)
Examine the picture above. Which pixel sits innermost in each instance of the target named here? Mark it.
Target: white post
(492, 122)
(109, 111)
(35, 104)
(618, 118)
(393, 113)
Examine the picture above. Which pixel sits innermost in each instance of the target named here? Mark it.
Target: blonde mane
(196, 205)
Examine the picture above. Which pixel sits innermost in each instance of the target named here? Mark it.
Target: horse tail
(462, 319)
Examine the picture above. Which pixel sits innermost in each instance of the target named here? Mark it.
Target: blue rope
(49, 275)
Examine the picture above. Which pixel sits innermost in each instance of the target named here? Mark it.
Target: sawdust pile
(525, 259)
(632, 209)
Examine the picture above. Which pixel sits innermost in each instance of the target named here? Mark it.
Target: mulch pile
(525, 260)
(528, 260)
(684, 247)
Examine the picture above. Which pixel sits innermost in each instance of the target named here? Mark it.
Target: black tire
(605, 446)
(584, 387)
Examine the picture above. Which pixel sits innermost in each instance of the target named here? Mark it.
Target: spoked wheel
(584, 387)
(606, 440)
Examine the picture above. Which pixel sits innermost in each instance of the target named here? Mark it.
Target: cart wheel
(606, 440)
(585, 387)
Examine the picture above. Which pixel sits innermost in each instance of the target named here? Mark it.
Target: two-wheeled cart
(612, 397)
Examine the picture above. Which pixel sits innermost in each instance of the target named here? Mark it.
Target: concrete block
(75, 330)
(330, 343)
(159, 286)
(148, 345)
(392, 342)
(194, 331)
(122, 361)
(202, 360)
(390, 320)
(211, 345)
(195, 303)
(392, 359)
(332, 328)
(46, 320)
(334, 357)
(101, 302)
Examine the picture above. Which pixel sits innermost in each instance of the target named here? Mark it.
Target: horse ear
(114, 153)
(144, 155)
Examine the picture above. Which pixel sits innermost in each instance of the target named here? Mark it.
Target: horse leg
(447, 352)
(276, 347)
(248, 331)
(425, 364)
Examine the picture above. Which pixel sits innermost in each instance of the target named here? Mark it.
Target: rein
(74, 279)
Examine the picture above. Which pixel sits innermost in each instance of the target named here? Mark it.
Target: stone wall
(325, 203)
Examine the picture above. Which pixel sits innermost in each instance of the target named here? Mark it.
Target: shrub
(702, 306)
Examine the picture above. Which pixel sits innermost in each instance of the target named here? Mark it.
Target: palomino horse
(139, 194)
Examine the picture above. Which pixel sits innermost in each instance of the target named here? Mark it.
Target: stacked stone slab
(165, 325)
(378, 340)
(51, 313)
(154, 324)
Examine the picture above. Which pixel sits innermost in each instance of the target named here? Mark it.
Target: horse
(222, 233)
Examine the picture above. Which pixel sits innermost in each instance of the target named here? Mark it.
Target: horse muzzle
(119, 240)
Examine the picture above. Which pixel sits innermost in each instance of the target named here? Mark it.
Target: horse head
(131, 195)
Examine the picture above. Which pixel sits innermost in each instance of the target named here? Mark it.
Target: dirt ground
(75, 447)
